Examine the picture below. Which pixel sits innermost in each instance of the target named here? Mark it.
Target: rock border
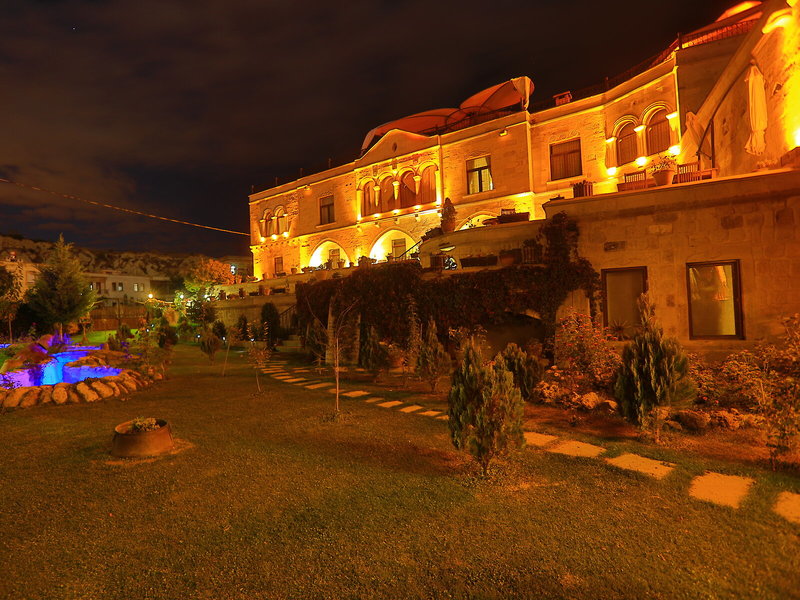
(86, 391)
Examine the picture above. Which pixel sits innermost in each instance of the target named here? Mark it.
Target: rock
(115, 387)
(726, 419)
(86, 393)
(693, 420)
(14, 396)
(103, 390)
(608, 406)
(673, 426)
(751, 420)
(157, 376)
(589, 401)
(128, 384)
(3, 394)
(60, 393)
(46, 394)
(31, 397)
(73, 397)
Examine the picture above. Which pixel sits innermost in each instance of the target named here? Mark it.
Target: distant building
(718, 250)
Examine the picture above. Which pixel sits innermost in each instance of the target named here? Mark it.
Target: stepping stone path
(356, 394)
(725, 490)
(539, 439)
(648, 466)
(443, 418)
(788, 506)
(373, 399)
(390, 404)
(430, 413)
(573, 448)
(317, 386)
(281, 377)
(410, 409)
(295, 380)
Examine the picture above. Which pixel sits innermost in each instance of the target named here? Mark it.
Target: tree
(201, 274)
(373, 355)
(525, 368)
(209, 344)
(413, 339)
(485, 409)
(433, 361)
(10, 296)
(654, 372)
(60, 294)
(271, 317)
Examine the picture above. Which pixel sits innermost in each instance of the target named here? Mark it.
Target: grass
(272, 500)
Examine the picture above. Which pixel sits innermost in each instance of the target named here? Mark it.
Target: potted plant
(581, 189)
(663, 170)
(308, 269)
(365, 261)
(340, 263)
(141, 437)
(448, 216)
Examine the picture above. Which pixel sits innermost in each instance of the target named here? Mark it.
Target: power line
(119, 208)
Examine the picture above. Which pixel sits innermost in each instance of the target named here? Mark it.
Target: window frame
(275, 265)
(604, 286)
(736, 291)
(651, 125)
(479, 171)
(326, 209)
(634, 136)
(580, 159)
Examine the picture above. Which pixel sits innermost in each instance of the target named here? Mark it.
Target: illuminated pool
(56, 370)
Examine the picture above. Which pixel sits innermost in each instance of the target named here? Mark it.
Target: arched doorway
(394, 242)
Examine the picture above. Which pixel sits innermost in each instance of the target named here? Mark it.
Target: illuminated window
(565, 159)
(279, 221)
(334, 255)
(268, 224)
(279, 266)
(627, 146)
(621, 291)
(408, 194)
(715, 303)
(658, 138)
(326, 210)
(116, 286)
(427, 186)
(386, 202)
(479, 175)
(368, 200)
(398, 247)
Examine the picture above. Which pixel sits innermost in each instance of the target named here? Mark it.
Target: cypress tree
(433, 361)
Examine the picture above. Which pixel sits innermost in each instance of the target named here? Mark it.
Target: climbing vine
(465, 299)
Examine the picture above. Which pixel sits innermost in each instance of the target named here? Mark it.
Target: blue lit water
(56, 370)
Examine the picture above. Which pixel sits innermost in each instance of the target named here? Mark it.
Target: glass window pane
(713, 300)
(622, 290)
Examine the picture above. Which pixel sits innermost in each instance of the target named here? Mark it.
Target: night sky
(177, 108)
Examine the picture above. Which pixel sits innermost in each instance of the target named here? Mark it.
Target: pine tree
(373, 356)
(485, 409)
(433, 361)
(61, 295)
(525, 368)
(654, 372)
(413, 338)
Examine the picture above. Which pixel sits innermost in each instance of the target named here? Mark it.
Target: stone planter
(664, 177)
(128, 444)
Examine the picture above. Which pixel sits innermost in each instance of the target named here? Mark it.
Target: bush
(243, 327)
(485, 409)
(209, 344)
(270, 317)
(219, 330)
(584, 354)
(373, 355)
(654, 373)
(185, 330)
(525, 368)
(433, 361)
(167, 336)
(781, 411)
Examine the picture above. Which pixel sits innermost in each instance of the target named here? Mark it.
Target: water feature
(56, 370)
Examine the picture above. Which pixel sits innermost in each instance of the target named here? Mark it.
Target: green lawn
(272, 500)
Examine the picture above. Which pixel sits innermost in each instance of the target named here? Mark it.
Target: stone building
(717, 249)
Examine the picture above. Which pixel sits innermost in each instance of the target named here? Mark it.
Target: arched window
(427, 186)
(408, 192)
(387, 201)
(279, 221)
(367, 199)
(658, 133)
(627, 146)
(267, 224)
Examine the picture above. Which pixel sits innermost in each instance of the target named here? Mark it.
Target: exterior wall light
(673, 115)
(638, 128)
(274, 237)
(611, 140)
(504, 132)
(150, 296)
(262, 239)
(286, 234)
(611, 171)
(675, 150)
(778, 19)
(395, 212)
(417, 207)
(377, 215)
(641, 161)
(446, 247)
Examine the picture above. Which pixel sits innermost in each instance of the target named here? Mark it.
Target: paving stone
(374, 399)
(538, 439)
(443, 418)
(573, 448)
(317, 386)
(648, 466)
(726, 490)
(356, 394)
(430, 413)
(410, 409)
(390, 403)
(295, 380)
(788, 506)
(301, 370)
(281, 376)
(306, 383)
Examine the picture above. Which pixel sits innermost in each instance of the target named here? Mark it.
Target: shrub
(433, 361)
(584, 354)
(653, 373)
(167, 336)
(244, 327)
(781, 412)
(373, 355)
(270, 317)
(209, 344)
(219, 329)
(142, 424)
(485, 408)
(525, 368)
(414, 336)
